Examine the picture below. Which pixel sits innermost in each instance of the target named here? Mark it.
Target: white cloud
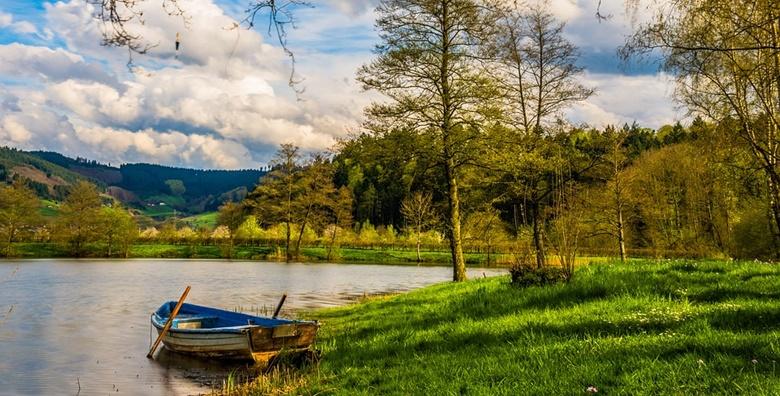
(47, 64)
(20, 27)
(646, 99)
(222, 100)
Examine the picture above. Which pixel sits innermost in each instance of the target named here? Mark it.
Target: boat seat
(193, 321)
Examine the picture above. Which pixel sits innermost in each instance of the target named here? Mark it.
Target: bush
(524, 274)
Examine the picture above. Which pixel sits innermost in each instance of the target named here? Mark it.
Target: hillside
(48, 179)
(157, 191)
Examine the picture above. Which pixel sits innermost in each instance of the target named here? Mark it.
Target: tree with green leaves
(341, 215)
(274, 199)
(80, 222)
(316, 198)
(536, 66)
(176, 187)
(431, 68)
(231, 216)
(609, 204)
(726, 57)
(19, 214)
(119, 229)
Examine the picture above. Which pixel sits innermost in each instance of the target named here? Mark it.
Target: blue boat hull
(215, 333)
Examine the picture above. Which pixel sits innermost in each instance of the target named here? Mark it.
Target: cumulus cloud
(21, 27)
(48, 64)
(646, 99)
(222, 100)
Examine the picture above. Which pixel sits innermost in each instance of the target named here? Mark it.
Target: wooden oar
(279, 307)
(169, 322)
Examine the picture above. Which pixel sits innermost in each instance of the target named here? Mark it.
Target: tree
(316, 198)
(566, 228)
(419, 213)
(274, 200)
(80, 222)
(119, 229)
(231, 216)
(430, 68)
(119, 17)
(609, 203)
(537, 67)
(176, 187)
(19, 213)
(486, 228)
(726, 57)
(341, 215)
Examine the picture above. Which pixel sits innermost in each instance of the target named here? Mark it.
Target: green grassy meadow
(642, 328)
(203, 220)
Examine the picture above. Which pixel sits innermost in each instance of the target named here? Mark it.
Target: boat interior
(193, 317)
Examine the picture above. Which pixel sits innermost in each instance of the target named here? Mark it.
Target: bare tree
(418, 210)
(610, 203)
(567, 226)
(537, 68)
(118, 17)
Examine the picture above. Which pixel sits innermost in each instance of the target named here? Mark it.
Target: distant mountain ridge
(149, 187)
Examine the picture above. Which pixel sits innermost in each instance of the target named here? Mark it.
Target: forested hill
(150, 178)
(48, 179)
(146, 186)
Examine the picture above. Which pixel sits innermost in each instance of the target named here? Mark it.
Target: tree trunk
(419, 259)
(536, 217)
(332, 240)
(620, 234)
(456, 246)
(287, 251)
(774, 204)
(300, 234)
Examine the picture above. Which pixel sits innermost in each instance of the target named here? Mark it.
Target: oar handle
(169, 322)
(279, 306)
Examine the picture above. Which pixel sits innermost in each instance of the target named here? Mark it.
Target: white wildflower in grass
(754, 361)
(592, 389)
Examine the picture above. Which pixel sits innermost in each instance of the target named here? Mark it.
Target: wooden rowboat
(215, 333)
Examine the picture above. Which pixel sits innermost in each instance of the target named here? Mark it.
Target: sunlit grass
(668, 327)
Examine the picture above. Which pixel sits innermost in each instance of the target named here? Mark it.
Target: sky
(222, 100)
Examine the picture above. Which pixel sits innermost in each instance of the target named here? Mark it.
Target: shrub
(526, 274)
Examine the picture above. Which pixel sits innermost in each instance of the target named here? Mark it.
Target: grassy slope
(673, 327)
(12, 158)
(49, 208)
(207, 220)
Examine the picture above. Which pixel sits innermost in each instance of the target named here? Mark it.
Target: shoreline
(346, 255)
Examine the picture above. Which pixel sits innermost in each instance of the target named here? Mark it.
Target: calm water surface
(86, 323)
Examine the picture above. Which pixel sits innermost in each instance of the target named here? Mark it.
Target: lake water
(84, 324)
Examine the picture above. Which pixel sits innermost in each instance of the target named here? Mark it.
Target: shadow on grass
(417, 324)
